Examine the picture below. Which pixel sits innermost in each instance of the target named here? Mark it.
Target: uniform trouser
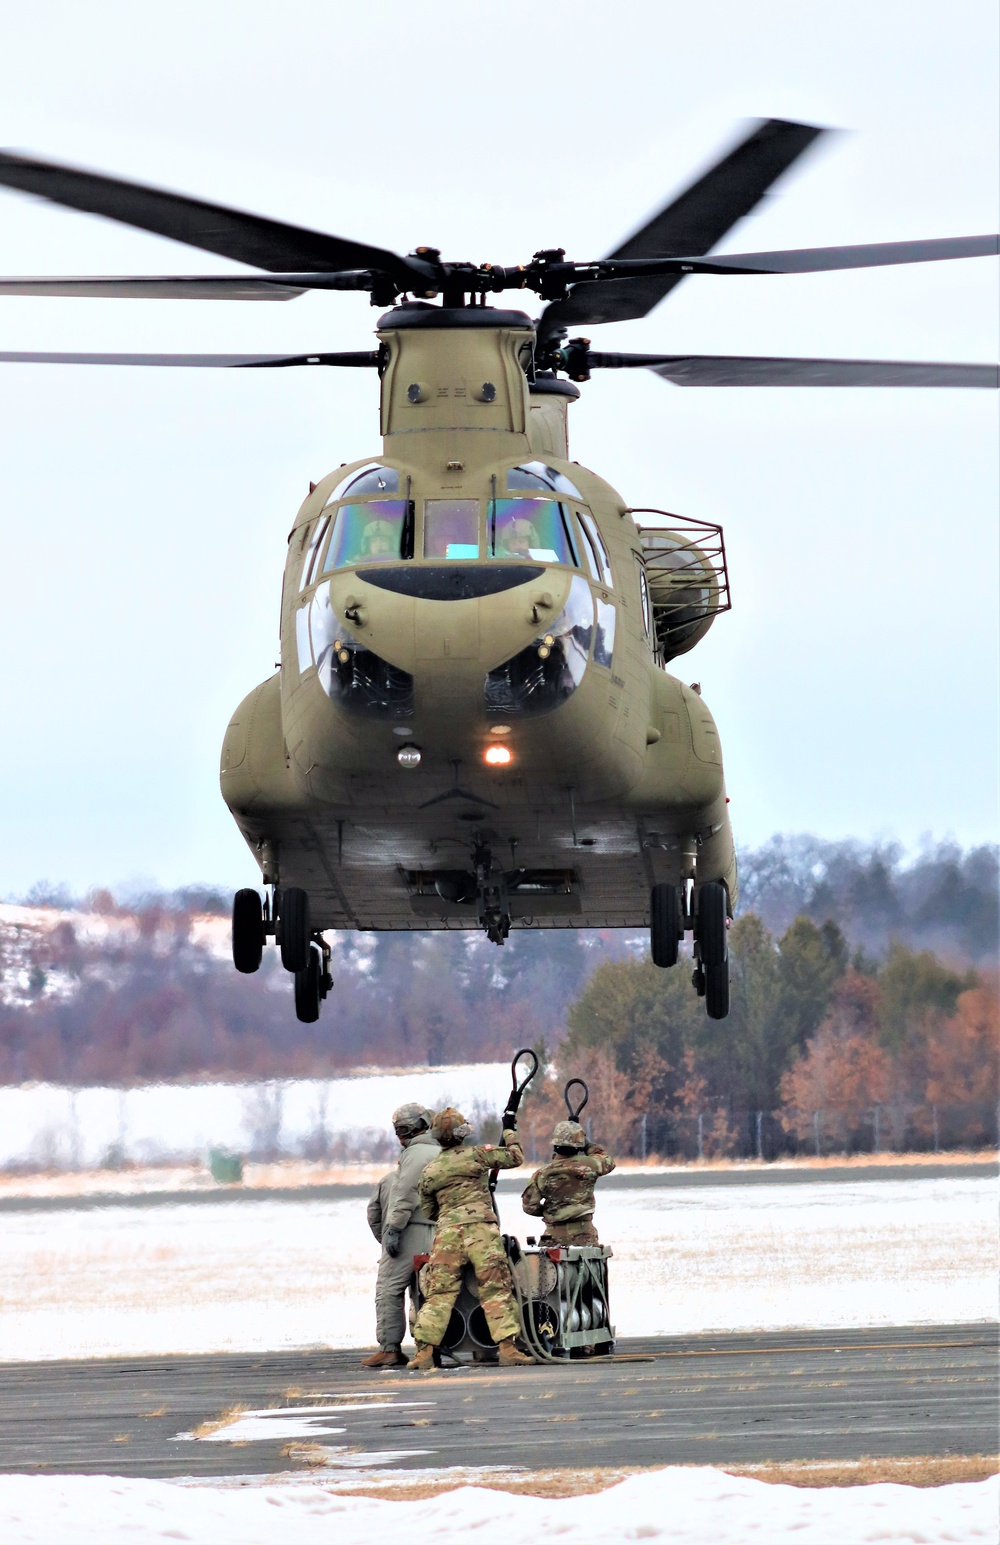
(395, 1273)
(480, 1245)
(580, 1231)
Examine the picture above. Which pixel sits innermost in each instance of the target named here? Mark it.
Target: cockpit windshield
(530, 528)
(367, 533)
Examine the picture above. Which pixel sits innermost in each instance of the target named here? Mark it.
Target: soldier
(403, 1229)
(455, 1190)
(562, 1191)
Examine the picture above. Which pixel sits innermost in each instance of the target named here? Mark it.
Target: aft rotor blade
(231, 233)
(690, 224)
(749, 370)
(366, 359)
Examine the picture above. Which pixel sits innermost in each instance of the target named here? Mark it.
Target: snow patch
(682, 1506)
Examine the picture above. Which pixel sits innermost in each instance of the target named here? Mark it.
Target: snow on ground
(249, 1276)
(63, 1127)
(682, 1506)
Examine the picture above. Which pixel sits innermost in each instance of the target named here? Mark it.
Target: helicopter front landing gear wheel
(664, 924)
(711, 914)
(248, 931)
(294, 932)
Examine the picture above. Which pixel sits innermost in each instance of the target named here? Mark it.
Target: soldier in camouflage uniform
(455, 1190)
(562, 1191)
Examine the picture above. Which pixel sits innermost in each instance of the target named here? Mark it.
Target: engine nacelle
(687, 579)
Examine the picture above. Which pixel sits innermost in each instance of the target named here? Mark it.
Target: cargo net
(686, 576)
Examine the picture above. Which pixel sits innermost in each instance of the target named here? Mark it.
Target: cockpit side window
(597, 542)
(530, 528)
(367, 533)
(589, 554)
(322, 526)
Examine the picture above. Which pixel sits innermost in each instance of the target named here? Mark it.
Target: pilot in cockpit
(518, 539)
(380, 540)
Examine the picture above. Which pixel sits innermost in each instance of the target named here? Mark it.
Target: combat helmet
(411, 1118)
(450, 1127)
(569, 1134)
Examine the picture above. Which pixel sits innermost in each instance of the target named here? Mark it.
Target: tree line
(861, 1005)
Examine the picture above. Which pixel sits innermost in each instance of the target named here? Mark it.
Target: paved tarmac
(706, 1399)
(622, 1180)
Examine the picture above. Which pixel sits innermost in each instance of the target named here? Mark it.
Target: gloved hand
(508, 1121)
(390, 1240)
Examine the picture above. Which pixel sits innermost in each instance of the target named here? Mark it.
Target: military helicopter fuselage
(472, 725)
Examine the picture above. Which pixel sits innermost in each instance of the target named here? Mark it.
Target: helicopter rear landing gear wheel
(713, 947)
(717, 991)
(293, 928)
(314, 983)
(664, 924)
(309, 988)
(248, 931)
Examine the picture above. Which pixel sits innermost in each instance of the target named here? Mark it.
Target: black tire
(664, 924)
(711, 909)
(248, 931)
(294, 929)
(717, 990)
(307, 989)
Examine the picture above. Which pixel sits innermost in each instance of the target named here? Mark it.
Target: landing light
(498, 756)
(408, 756)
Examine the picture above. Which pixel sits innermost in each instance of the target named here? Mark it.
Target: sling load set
(562, 1293)
(473, 725)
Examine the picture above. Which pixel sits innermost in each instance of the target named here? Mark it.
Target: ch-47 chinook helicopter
(473, 725)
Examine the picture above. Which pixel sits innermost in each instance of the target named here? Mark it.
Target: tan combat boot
(510, 1354)
(423, 1359)
(385, 1357)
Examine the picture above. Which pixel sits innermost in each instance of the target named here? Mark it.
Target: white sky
(145, 513)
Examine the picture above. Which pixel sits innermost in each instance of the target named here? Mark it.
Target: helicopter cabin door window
(451, 528)
(530, 528)
(597, 543)
(644, 595)
(372, 532)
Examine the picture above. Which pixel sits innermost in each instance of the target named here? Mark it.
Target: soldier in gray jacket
(399, 1223)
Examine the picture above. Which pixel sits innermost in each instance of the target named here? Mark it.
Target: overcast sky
(145, 513)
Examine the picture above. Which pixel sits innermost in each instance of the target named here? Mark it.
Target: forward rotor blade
(749, 370)
(169, 287)
(366, 359)
(690, 224)
(231, 233)
(815, 260)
